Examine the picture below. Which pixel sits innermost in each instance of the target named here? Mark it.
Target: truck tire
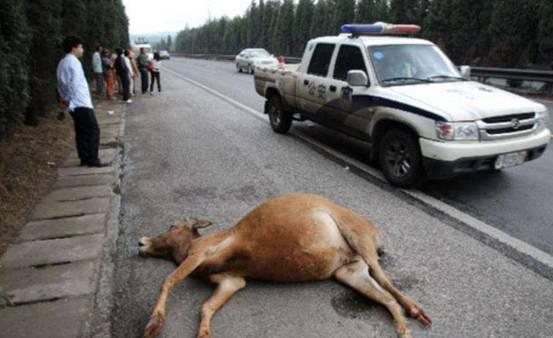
(280, 120)
(250, 69)
(400, 159)
(238, 68)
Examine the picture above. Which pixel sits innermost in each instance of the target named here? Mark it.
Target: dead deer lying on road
(291, 238)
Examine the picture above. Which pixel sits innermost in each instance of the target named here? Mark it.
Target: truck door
(312, 84)
(344, 106)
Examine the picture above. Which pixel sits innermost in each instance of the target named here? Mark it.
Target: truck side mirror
(357, 78)
(465, 72)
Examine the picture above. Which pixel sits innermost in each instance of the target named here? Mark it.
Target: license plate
(510, 160)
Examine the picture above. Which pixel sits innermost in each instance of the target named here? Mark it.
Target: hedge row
(31, 32)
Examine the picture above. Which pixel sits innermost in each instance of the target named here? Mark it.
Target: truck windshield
(411, 64)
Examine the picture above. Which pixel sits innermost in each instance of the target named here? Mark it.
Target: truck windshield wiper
(416, 79)
(446, 77)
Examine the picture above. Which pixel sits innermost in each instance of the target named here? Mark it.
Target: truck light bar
(379, 28)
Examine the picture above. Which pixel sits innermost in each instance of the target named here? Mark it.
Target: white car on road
(250, 58)
(403, 96)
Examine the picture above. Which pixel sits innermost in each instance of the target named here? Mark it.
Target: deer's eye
(172, 227)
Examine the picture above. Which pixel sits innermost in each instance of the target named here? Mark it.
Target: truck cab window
(321, 59)
(349, 58)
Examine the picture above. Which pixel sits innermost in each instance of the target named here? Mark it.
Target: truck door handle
(332, 88)
(305, 82)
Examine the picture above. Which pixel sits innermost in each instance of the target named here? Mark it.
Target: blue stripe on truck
(361, 101)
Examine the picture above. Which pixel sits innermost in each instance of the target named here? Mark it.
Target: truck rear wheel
(400, 159)
(280, 120)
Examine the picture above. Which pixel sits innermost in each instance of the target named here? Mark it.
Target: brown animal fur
(291, 238)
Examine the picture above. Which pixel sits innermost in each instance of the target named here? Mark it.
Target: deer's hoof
(419, 314)
(404, 333)
(153, 328)
(204, 333)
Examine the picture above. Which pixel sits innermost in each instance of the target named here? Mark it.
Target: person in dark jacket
(123, 74)
(142, 61)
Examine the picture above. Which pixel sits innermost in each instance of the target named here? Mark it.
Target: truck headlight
(457, 131)
(542, 119)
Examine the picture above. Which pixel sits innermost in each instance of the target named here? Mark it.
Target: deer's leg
(158, 315)
(380, 276)
(356, 275)
(227, 286)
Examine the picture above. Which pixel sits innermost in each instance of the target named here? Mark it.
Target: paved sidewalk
(49, 278)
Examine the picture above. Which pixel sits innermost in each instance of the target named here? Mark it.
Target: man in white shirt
(75, 95)
(130, 69)
(97, 69)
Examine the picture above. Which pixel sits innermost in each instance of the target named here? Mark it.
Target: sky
(152, 16)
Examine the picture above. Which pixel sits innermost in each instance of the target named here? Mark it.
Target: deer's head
(175, 242)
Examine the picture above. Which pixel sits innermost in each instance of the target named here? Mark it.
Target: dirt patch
(27, 168)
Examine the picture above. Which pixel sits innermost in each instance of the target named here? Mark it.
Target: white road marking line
(480, 226)
(485, 228)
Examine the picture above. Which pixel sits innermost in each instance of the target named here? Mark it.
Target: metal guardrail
(287, 59)
(482, 74)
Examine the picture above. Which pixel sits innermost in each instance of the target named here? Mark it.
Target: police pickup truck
(422, 116)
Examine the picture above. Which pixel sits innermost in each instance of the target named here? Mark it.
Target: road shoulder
(54, 278)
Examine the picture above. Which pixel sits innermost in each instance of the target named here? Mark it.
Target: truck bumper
(444, 160)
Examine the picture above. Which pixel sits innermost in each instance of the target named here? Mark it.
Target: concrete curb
(60, 267)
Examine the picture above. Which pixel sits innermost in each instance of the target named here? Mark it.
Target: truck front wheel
(280, 120)
(400, 159)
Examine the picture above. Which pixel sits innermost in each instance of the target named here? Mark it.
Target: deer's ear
(200, 223)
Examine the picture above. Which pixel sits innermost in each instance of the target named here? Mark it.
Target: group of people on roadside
(122, 69)
(119, 69)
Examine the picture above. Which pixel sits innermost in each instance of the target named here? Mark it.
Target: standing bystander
(97, 69)
(143, 61)
(75, 95)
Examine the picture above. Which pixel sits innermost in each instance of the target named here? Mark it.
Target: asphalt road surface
(517, 200)
(190, 153)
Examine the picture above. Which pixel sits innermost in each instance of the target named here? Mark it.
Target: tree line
(164, 44)
(499, 33)
(31, 32)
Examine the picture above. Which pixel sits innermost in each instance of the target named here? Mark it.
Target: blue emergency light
(379, 28)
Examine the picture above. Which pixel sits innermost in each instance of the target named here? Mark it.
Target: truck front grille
(509, 118)
(507, 126)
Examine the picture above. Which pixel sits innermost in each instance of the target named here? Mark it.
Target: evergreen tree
(512, 29)
(302, 25)
(270, 14)
(344, 14)
(320, 17)
(436, 25)
(544, 39)
(370, 11)
(274, 31)
(43, 18)
(14, 53)
(260, 24)
(252, 17)
(409, 11)
(74, 18)
(468, 30)
(478, 32)
(286, 22)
